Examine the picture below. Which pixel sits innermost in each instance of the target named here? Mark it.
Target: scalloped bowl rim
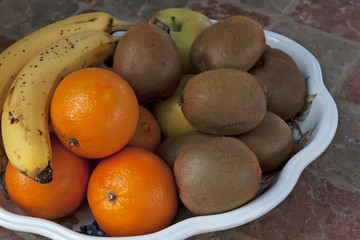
(325, 130)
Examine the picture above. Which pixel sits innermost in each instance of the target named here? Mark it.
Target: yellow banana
(24, 121)
(13, 59)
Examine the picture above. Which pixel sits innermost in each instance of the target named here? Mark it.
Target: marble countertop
(325, 202)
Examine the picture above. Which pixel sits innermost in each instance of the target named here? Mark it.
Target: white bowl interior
(322, 119)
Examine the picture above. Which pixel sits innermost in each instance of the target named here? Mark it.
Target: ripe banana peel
(24, 122)
(13, 59)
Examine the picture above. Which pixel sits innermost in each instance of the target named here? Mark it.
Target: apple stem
(175, 27)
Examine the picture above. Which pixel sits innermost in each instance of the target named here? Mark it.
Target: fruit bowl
(316, 127)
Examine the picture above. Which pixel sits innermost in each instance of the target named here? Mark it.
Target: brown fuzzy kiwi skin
(223, 102)
(283, 83)
(172, 146)
(234, 42)
(271, 52)
(272, 142)
(216, 175)
(148, 59)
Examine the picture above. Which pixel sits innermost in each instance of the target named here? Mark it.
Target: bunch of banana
(13, 59)
(31, 69)
(25, 117)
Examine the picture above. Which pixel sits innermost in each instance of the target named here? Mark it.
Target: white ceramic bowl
(320, 123)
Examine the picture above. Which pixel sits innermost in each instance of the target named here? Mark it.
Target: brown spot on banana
(10, 94)
(14, 120)
(88, 20)
(70, 43)
(110, 25)
(12, 90)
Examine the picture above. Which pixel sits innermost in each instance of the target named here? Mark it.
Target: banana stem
(121, 25)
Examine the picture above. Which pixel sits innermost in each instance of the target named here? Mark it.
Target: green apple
(185, 25)
(168, 112)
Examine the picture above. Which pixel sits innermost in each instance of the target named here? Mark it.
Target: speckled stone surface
(325, 202)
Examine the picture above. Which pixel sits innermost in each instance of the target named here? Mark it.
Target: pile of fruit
(178, 108)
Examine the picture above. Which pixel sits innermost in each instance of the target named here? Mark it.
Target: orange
(147, 134)
(132, 192)
(58, 198)
(94, 112)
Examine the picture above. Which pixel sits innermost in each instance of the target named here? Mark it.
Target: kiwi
(283, 83)
(272, 142)
(172, 146)
(234, 42)
(148, 59)
(270, 52)
(216, 175)
(223, 102)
